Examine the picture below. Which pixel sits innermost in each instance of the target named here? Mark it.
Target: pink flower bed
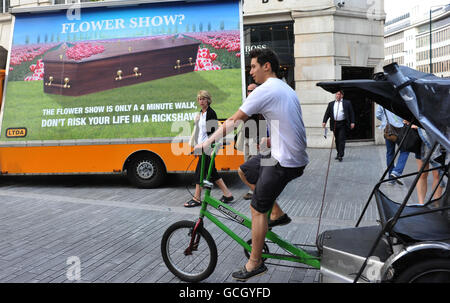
(84, 50)
(229, 40)
(37, 70)
(205, 59)
(28, 53)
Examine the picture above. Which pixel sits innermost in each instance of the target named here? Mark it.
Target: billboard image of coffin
(75, 69)
(127, 72)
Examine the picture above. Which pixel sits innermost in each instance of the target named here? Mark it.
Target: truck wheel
(146, 171)
(430, 271)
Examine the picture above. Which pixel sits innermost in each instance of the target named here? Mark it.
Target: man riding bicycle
(269, 175)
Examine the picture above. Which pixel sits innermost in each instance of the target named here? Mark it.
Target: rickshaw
(411, 243)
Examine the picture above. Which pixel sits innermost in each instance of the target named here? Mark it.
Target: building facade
(321, 40)
(316, 40)
(407, 39)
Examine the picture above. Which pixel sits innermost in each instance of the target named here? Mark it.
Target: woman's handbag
(412, 142)
(391, 132)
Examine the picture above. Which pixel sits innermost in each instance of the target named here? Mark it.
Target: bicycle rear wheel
(195, 266)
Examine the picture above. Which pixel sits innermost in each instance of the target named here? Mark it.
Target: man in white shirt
(279, 105)
(342, 120)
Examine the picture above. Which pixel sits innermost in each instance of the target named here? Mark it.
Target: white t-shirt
(280, 106)
(202, 134)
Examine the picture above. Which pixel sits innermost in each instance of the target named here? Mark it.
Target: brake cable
(326, 182)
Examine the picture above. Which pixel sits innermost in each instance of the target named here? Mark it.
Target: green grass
(25, 102)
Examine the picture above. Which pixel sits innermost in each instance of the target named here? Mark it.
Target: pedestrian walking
(342, 120)
(205, 125)
(386, 117)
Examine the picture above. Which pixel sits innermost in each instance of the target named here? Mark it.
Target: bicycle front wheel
(196, 265)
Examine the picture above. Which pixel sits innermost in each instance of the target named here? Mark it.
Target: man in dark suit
(342, 120)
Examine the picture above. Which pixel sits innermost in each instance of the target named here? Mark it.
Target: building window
(394, 37)
(277, 36)
(394, 49)
(4, 6)
(56, 2)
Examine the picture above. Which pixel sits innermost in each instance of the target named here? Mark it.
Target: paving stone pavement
(115, 229)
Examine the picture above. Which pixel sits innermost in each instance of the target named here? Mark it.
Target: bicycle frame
(298, 255)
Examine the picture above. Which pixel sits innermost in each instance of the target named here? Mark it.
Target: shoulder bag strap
(387, 119)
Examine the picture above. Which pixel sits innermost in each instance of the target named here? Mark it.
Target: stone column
(5, 30)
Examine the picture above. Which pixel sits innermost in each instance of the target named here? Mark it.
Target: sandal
(192, 203)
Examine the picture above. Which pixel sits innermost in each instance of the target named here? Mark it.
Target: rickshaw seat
(433, 226)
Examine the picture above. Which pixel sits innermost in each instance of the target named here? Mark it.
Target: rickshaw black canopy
(433, 226)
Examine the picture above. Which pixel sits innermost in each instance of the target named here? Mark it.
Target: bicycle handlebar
(214, 147)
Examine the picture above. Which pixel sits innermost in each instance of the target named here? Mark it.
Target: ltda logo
(16, 132)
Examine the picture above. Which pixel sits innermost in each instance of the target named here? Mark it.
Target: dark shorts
(269, 180)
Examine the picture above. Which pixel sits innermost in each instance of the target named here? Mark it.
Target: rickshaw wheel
(431, 271)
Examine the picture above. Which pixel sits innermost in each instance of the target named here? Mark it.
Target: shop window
(277, 36)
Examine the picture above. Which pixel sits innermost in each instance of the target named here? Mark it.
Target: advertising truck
(111, 87)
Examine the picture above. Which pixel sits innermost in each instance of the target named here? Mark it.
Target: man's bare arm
(232, 122)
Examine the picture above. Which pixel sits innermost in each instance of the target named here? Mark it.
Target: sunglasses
(249, 90)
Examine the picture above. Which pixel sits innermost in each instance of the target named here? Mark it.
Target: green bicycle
(189, 250)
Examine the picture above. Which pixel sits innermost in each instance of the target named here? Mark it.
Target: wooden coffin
(96, 66)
